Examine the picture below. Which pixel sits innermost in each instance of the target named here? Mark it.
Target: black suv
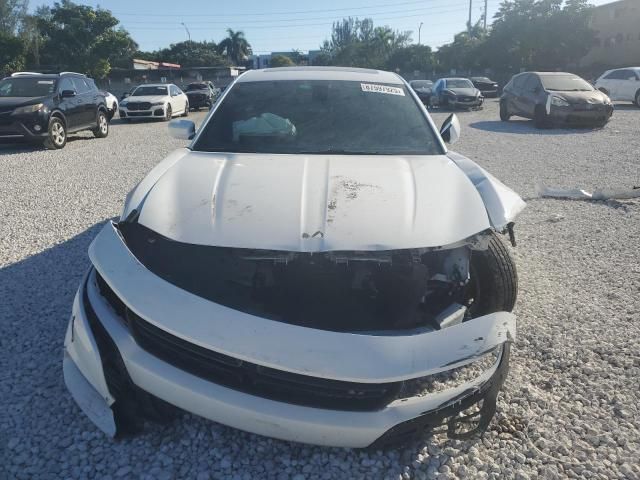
(200, 94)
(45, 108)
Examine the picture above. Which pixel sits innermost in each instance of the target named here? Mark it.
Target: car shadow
(625, 106)
(526, 127)
(36, 294)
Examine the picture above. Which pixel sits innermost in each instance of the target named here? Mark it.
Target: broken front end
(341, 348)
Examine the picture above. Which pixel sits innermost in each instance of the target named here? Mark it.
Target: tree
(12, 13)
(525, 34)
(411, 58)
(357, 43)
(188, 54)
(235, 47)
(81, 38)
(281, 61)
(11, 54)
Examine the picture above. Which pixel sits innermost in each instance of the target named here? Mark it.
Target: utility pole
(469, 24)
(419, 28)
(188, 33)
(485, 14)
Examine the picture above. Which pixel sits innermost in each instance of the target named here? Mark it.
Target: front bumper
(197, 101)
(458, 103)
(589, 114)
(154, 112)
(29, 127)
(145, 372)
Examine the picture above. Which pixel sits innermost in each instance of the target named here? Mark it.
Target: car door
(437, 91)
(87, 112)
(613, 84)
(518, 101)
(629, 85)
(531, 95)
(177, 105)
(70, 106)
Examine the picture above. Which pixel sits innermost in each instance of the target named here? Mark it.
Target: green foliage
(12, 12)
(235, 47)
(411, 58)
(526, 34)
(281, 61)
(81, 38)
(357, 43)
(187, 54)
(11, 54)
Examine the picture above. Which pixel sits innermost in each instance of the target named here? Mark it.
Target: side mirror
(182, 129)
(450, 130)
(68, 93)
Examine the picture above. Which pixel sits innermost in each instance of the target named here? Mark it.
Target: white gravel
(569, 408)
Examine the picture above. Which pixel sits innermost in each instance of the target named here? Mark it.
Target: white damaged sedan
(315, 266)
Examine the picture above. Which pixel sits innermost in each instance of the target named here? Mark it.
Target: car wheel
(540, 117)
(186, 110)
(168, 114)
(57, 135)
(638, 98)
(102, 130)
(493, 280)
(504, 112)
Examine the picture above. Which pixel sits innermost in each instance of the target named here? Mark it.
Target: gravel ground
(569, 408)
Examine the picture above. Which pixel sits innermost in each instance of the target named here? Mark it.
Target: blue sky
(281, 25)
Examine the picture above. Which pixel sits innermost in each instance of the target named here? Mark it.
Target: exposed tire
(540, 118)
(57, 134)
(186, 110)
(504, 112)
(493, 284)
(168, 114)
(102, 129)
(637, 102)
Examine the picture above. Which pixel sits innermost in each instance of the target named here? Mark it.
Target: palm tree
(235, 47)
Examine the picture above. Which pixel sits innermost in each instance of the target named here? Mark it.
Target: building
(618, 41)
(149, 65)
(120, 81)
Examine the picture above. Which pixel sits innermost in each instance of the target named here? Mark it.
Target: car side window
(80, 85)
(173, 90)
(619, 75)
(530, 84)
(518, 83)
(66, 84)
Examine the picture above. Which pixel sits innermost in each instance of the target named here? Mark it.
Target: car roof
(321, 73)
(454, 78)
(154, 85)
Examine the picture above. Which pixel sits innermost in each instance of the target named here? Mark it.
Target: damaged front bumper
(223, 364)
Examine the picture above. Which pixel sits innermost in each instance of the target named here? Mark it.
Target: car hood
(7, 103)
(148, 98)
(201, 90)
(581, 97)
(468, 92)
(309, 203)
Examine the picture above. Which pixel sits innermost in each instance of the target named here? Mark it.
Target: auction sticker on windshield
(372, 87)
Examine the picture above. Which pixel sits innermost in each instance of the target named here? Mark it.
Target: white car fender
(503, 204)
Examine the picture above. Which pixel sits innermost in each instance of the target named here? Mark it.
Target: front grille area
(138, 106)
(138, 114)
(248, 377)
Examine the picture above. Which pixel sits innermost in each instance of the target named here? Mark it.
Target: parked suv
(622, 84)
(45, 108)
(200, 94)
